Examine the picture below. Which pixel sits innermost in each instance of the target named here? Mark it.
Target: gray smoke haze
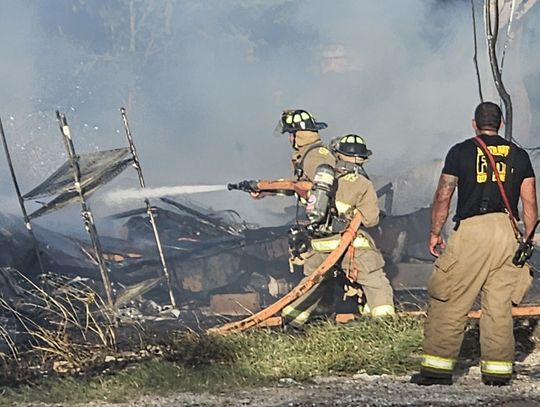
(204, 83)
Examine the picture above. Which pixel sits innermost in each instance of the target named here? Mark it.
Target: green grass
(224, 363)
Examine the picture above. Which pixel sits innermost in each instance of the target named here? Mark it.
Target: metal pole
(492, 31)
(475, 56)
(151, 217)
(21, 200)
(86, 212)
(508, 32)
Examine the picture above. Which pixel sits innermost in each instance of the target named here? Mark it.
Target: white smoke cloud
(204, 82)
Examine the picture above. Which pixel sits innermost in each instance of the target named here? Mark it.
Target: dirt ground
(364, 390)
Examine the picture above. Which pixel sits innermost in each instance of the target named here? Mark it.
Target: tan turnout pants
(368, 263)
(477, 259)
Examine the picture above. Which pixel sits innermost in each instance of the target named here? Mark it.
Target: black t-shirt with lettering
(477, 194)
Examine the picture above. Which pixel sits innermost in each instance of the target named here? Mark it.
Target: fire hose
(301, 188)
(346, 239)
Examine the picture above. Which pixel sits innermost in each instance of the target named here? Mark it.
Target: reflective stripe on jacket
(328, 244)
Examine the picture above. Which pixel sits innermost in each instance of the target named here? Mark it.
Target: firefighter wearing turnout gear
(308, 149)
(478, 255)
(308, 154)
(363, 263)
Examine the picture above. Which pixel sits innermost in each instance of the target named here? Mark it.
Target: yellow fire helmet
(295, 119)
(350, 145)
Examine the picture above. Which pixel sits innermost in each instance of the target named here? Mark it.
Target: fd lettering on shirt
(482, 163)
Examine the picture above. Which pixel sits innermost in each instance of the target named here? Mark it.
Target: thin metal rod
(20, 199)
(151, 217)
(475, 57)
(492, 30)
(508, 33)
(86, 213)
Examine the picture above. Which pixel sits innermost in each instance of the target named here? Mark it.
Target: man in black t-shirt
(467, 162)
(478, 256)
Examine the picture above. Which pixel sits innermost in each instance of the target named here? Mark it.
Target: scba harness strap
(504, 196)
(299, 165)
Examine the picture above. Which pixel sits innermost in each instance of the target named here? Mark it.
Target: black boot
(495, 380)
(430, 378)
(291, 327)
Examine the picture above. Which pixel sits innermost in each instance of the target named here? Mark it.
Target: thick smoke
(204, 83)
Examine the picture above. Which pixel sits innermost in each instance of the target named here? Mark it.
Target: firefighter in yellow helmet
(308, 149)
(308, 153)
(350, 191)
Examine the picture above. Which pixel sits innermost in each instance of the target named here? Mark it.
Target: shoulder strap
(345, 168)
(486, 151)
(488, 190)
(299, 165)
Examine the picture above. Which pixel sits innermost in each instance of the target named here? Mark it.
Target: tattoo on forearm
(447, 182)
(441, 202)
(437, 223)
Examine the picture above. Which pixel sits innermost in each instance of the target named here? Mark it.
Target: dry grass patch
(224, 363)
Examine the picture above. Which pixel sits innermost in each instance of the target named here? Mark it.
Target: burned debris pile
(61, 292)
(204, 251)
(208, 257)
(174, 263)
(207, 254)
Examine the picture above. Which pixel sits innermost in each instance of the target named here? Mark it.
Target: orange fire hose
(346, 239)
(531, 310)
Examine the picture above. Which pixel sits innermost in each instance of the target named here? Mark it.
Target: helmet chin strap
(293, 142)
(347, 167)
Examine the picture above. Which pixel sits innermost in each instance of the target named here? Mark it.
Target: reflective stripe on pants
(438, 363)
(297, 315)
(383, 310)
(496, 367)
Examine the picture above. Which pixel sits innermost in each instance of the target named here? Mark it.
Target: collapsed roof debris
(203, 255)
(208, 252)
(75, 181)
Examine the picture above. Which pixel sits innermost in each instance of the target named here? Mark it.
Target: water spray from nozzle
(123, 195)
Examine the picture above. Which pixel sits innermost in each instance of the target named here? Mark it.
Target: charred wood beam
(151, 217)
(508, 32)
(20, 199)
(518, 311)
(86, 212)
(388, 191)
(203, 218)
